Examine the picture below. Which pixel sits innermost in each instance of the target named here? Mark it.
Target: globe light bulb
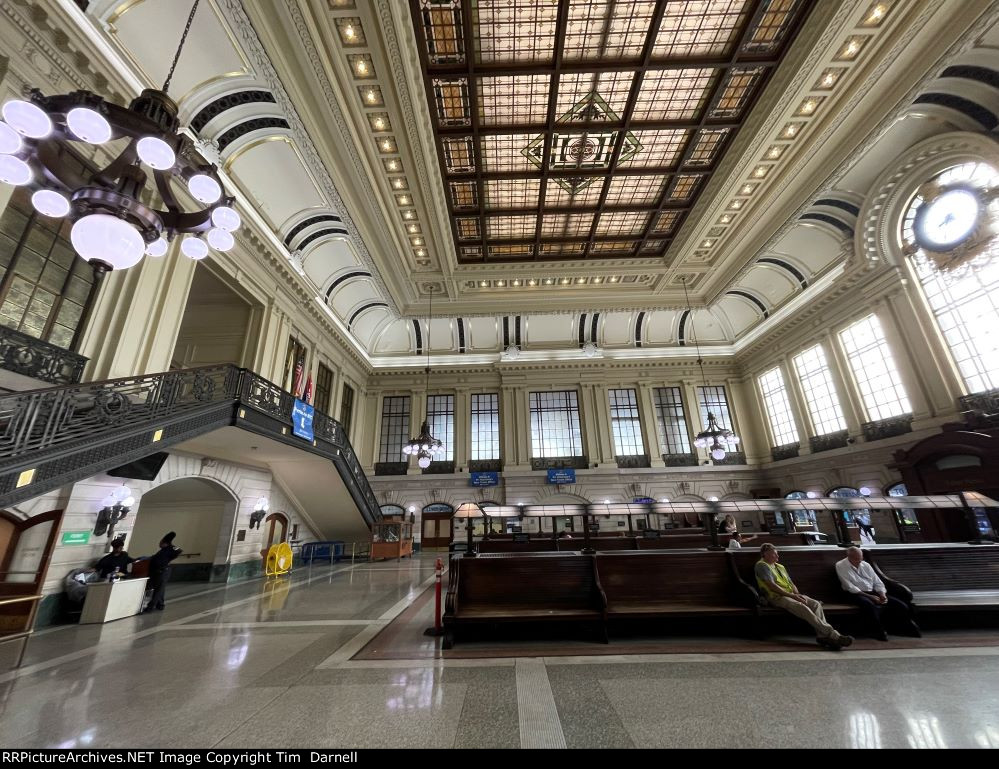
(812, 495)
(122, 491)
(864, 491)
(156, 153)
(194, 248)
(88, 125)
(712, 499)
(204, 188)
(226, 218)
(424, 462)
(50, 203)
(27, 119)
(109, 501)
(589, 349)
(14, 170)
(718, 454)
(128, 501)
(10, 140)
(221, 240)
(158, 247)
(107, 239)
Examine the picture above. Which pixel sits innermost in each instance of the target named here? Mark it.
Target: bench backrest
(940, 568)
(813, 571)
(509, 546)
(679, 578)
(563, 581)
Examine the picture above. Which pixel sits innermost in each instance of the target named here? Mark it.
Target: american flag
(307, 397)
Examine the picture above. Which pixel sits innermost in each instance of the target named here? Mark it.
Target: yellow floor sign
(279, 558)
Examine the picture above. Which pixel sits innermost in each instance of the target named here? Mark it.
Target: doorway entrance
(277, 531)
(25, 549)
(438, 528)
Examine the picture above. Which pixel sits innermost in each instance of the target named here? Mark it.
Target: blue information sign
(301, 417)
(483, 479)
(643, 500)
(567, 475)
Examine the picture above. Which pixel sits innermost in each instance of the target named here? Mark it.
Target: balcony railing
(34, 358)
(887, 428)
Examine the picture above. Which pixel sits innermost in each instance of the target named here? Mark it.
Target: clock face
(947, 220)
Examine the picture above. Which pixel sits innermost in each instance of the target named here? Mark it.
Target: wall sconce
(259, 511)
(114, 507)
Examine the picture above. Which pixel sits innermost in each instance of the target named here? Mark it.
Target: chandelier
(716, 439)
(114, 224)
(425, 445)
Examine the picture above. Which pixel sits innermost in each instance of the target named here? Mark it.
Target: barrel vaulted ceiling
(556, 171)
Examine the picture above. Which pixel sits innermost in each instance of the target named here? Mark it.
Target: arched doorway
(276, 526)
(437, 526)
(200, 511)
(25, 549)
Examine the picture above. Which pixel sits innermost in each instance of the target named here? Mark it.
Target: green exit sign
(75, 537)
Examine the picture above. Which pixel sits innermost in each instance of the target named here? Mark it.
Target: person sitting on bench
(736, 540)
(865, 588)
(776, 585)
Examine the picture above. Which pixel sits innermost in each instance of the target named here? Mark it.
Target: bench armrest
(895, 589)
(748, 595)
(599, 588)
(451, 598)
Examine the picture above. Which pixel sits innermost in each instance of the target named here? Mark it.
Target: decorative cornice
(254, 49)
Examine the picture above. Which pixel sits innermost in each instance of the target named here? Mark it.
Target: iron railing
(34, 358)
(68, 433)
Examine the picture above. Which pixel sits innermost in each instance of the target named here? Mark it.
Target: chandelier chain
(693, 335)
(183, 39)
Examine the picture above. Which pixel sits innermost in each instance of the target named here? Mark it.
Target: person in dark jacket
(116, 559)
(159, 572)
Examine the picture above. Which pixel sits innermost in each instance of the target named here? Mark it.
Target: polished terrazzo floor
(334, 657)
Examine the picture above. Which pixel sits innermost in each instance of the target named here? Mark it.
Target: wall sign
(301, 416)
(521, 537)
(387, 510)
(76, 537)
(483, 479)
(643, 501)
(561, 475)
(438, 507)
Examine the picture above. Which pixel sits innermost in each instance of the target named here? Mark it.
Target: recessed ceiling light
(828, 79)
(808, 107)
(393, 165)
(735, 204)
(413, 228)
(747, 189)
(500, 282)
(774, 152)
(362, 67)
(791, 130)
(532, 282)
(580, 280)
(483, 283)
(565, 281)
(726, 218)
(516, 283)
(707, 244)
(852, 49)
(421, 252)
(379, 123)
(760, 172)
(348, 32)
(397, 184)
(613, 280)
(404, 200)
(386, 145)
(598, 280)
(548, 282)
(417, 241)
(877, 14)
(408, 215)
(371, 96)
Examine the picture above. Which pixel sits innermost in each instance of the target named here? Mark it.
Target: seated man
(864, 588)
(776, 585)
(736, 541)
(116, 559)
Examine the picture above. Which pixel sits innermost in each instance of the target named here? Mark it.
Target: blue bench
(331, 551)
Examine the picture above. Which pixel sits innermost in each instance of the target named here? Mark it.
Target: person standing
(159, 572)
(863, 519)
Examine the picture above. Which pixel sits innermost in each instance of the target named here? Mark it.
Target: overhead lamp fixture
(425, 446)
(259, 511)
(590, 350)
(114, 507)
(113, 228)
(716, 439)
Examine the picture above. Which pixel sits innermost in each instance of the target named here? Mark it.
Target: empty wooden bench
(944, 578)
(536, 587)
(670, 585)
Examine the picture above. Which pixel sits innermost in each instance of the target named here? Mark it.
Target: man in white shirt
(865, 588)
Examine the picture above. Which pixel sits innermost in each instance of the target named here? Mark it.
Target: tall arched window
(965, 301)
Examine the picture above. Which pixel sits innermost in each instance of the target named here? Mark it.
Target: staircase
(59, 435)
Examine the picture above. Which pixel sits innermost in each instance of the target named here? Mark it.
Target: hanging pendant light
(425, 446)
(113, 228)
(716, 439)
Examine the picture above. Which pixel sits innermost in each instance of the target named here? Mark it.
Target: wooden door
(277, 530)
(437, 531)
(24, 563)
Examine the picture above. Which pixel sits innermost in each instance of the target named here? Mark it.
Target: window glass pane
(324, 387)
(713, 399)
(555, 428)
(778, 407)
(819, 390)
(440, 415)
(874, 369)
(395, 428)
(347, 408)
(485, 426)
(625, 423)
(674, 437)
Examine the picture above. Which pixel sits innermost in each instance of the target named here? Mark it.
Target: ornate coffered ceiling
(336, 122)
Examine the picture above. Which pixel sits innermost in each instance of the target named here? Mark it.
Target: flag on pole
(296, 380)
(307, 397)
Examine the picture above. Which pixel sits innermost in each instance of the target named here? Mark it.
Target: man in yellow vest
(776, 585)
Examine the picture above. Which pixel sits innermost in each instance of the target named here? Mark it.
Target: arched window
(802, 518)
(845, 492)
(906, 516)
(965, 299)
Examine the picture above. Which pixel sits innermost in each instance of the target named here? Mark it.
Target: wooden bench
(509, 546)
(537, 587)
(942, 578)
(670, 584)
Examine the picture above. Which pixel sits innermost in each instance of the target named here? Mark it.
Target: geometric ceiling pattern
(586, 129)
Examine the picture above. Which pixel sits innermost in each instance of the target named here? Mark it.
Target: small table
(107, 601)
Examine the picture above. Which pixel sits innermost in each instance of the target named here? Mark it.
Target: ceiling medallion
(589, 150)
(953, 229)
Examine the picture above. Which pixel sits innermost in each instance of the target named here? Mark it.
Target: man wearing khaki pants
(776, 585)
